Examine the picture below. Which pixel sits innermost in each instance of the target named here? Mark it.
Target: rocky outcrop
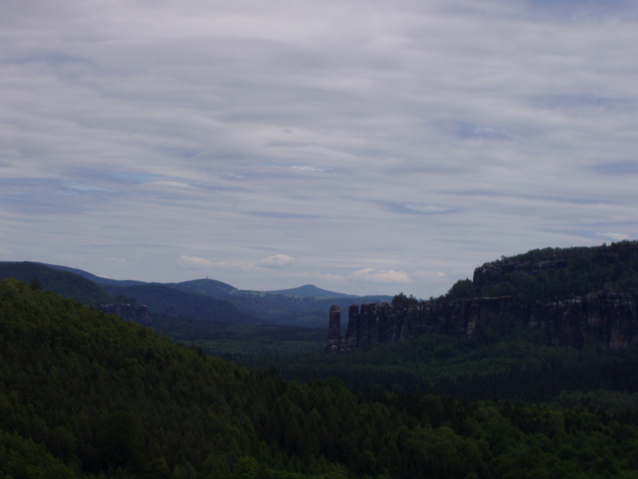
(127, 312)
(607, 318)
(334, 330)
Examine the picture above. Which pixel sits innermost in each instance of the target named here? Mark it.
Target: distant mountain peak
(312, 291)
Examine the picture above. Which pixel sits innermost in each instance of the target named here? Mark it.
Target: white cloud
(381, 276)
(193, 262)
(615, 236)
(117, 260)
(418, 138)
(277, 261)
(427, 274)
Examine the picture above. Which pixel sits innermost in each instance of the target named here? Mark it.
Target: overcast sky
(361, 146)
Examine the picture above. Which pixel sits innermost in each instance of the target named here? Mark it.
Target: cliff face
(607, 318)
(127, 312)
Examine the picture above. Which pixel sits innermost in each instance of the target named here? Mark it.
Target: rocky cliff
(607, 318)
(577, 296)
(127, 312)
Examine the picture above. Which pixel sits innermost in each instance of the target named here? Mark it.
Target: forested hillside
(552, 274)
(64, 283)
(165, 300)
(84, 394)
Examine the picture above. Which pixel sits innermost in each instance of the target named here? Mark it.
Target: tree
(36, 285)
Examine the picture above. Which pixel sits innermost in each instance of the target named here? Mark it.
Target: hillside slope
(93, 277)
(64, 283)
(167, 300)
(553, 274)
(312, 291)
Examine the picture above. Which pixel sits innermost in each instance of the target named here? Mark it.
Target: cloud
(193, 262)
(277, 261)
(312, 169)
(117, 260)
(380, 276)
(84, 187)
(427, 274)
(615, 236)
(393, 141)
(324, 277)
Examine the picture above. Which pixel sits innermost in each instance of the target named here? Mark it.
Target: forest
(85, 394)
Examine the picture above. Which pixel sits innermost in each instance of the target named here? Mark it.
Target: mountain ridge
(312, 291)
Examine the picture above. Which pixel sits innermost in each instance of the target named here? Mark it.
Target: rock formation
(127, 312)
(334, 330)
(607, 318)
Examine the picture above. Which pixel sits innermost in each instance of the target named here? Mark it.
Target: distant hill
(165, 299)
(64, 283)
(209, 287)
(303, 306)
(312, 291)
(94, 278)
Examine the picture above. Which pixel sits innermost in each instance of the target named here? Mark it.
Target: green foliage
(505, 362)
(587, 270)
(236, 341)
(462, 289)
(36, 285)
(401, 301)
(21, 458)
(63, 283)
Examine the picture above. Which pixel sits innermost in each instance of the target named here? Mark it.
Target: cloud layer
(368, 147)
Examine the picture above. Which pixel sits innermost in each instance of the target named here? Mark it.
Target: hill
(306, 306)
(207, 287)
(313, 292)
(166, 300)
(94, 278)
(182, 311)
(83, 394)
(554, 274)
(64, 283)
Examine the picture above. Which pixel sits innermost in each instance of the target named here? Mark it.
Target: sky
(365, 147)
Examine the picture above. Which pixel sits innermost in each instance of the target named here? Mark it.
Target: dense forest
(514, 364)
(66, 284)
(568, 272)
(85, 394)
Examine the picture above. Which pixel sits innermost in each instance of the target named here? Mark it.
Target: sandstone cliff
(551, 291)
(607, 318)
(127, 312)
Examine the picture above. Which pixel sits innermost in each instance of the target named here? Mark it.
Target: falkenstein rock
(334, 330)
(607, 318)
(127, 312)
